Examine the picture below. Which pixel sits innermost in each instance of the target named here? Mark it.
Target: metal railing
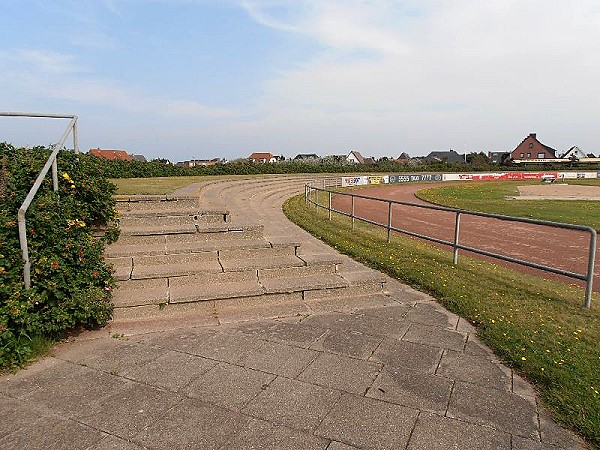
(51, 162)
(311, 195)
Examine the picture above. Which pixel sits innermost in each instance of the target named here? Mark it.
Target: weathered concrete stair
(167, 260)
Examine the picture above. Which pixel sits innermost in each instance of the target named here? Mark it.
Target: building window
(529, 155)
(522, 155)
(541, 155)
(531, 145)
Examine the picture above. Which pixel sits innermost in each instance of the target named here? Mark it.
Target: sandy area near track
(558, 192)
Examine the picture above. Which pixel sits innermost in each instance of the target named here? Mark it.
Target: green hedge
(71, 283)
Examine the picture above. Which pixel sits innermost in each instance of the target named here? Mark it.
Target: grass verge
(536, 326)
(490, 197)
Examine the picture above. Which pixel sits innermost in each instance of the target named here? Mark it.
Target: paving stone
(345, 300)
(259, 434)
(434, 432)
(135, 245)
(192, 424)
(335, 445)
(475, 369)
(187, 340)
(435, 337)
(381, 425)
(128, 410)
(120, 356)
(430, 314)
(227, 347)
(15, 415)
(65, 388)
(297, 334)
(475, 347)
(172, 370)
(279, 359)
(293, 403)
(407, 355)
(522, 388)
(122, 267)
(110, 442)
(170, 315)
(257, 261)
(392, 325)
(304, 283)
(52, 433)
(214, 286)
(334, 321)
(501, 410)
(228, 385)
(349, 343)
(418, 390)
(340, 372)
(141, 292)
(557, 436)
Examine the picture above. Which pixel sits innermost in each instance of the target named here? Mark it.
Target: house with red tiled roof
(258, 157)
(531, 148)
(110, 154)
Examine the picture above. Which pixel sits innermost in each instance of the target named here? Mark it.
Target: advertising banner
(415, 177)
(354, 181)
(499, 176)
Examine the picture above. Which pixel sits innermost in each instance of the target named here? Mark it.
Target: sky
(199, 79)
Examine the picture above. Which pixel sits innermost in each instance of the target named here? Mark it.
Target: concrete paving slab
(434, 432)
(267, 262)
(192, 424)
(110, 442)
(407, 355)
(15, 415)
(553, 434)
(229, 385)
(52, 432)
(279, 359)
(292, 403)
(296, 272)
(136, 245)
(381, 425)
(413, 389)
(501, 410)
(263, 435)
(172, 370)
(391, 325)
(122, 266)
(435, 337)
(432, 314)
(349, 302)
(214, 286)
(334, 445)
(342, 373)
(348, 343)
(128, 410)
(305, 283)
(299, 335)
(228, 347)
(475, 369)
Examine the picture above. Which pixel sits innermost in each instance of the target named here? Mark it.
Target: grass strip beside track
(536, 326)
(491, 197)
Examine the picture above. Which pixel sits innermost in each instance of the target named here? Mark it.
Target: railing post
(24, 248)
(55, 175)
(456, 233)
(389, 225)
(352, 197)
(590, 273)
(329, 206)
(75, 137)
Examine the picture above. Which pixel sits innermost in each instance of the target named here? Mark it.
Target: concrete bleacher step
(162, 244)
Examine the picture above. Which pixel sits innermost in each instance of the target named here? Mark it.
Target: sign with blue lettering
(415, 177)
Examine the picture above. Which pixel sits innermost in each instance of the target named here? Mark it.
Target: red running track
(559, 248)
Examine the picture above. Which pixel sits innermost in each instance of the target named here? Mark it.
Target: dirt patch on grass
(558, 191)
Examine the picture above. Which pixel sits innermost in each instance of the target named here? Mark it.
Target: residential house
(531, 148)
(445, 156)
(306, 157)
(199, 162)
(110, 154)
(356, 158)
(258, 157)
(140, 158)
(403, 158)
(574, 154)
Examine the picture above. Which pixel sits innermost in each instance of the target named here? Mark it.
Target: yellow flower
(523, 358)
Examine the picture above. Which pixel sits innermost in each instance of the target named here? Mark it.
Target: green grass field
(536, 326)
(491, 197)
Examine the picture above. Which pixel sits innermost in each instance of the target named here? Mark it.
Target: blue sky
(183, 79)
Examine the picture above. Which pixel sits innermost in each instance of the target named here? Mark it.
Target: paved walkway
(385, 370)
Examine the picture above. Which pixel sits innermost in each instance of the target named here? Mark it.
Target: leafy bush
(70, 282)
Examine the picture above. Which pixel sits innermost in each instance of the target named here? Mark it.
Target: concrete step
(259, 258)
(249, 237)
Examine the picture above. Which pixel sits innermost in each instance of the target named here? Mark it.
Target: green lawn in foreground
(536, 326)
(490, 197)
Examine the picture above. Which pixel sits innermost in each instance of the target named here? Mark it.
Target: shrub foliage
(70, 282)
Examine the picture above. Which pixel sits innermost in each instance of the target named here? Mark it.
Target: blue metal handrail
(51, 162)
(588, 277)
